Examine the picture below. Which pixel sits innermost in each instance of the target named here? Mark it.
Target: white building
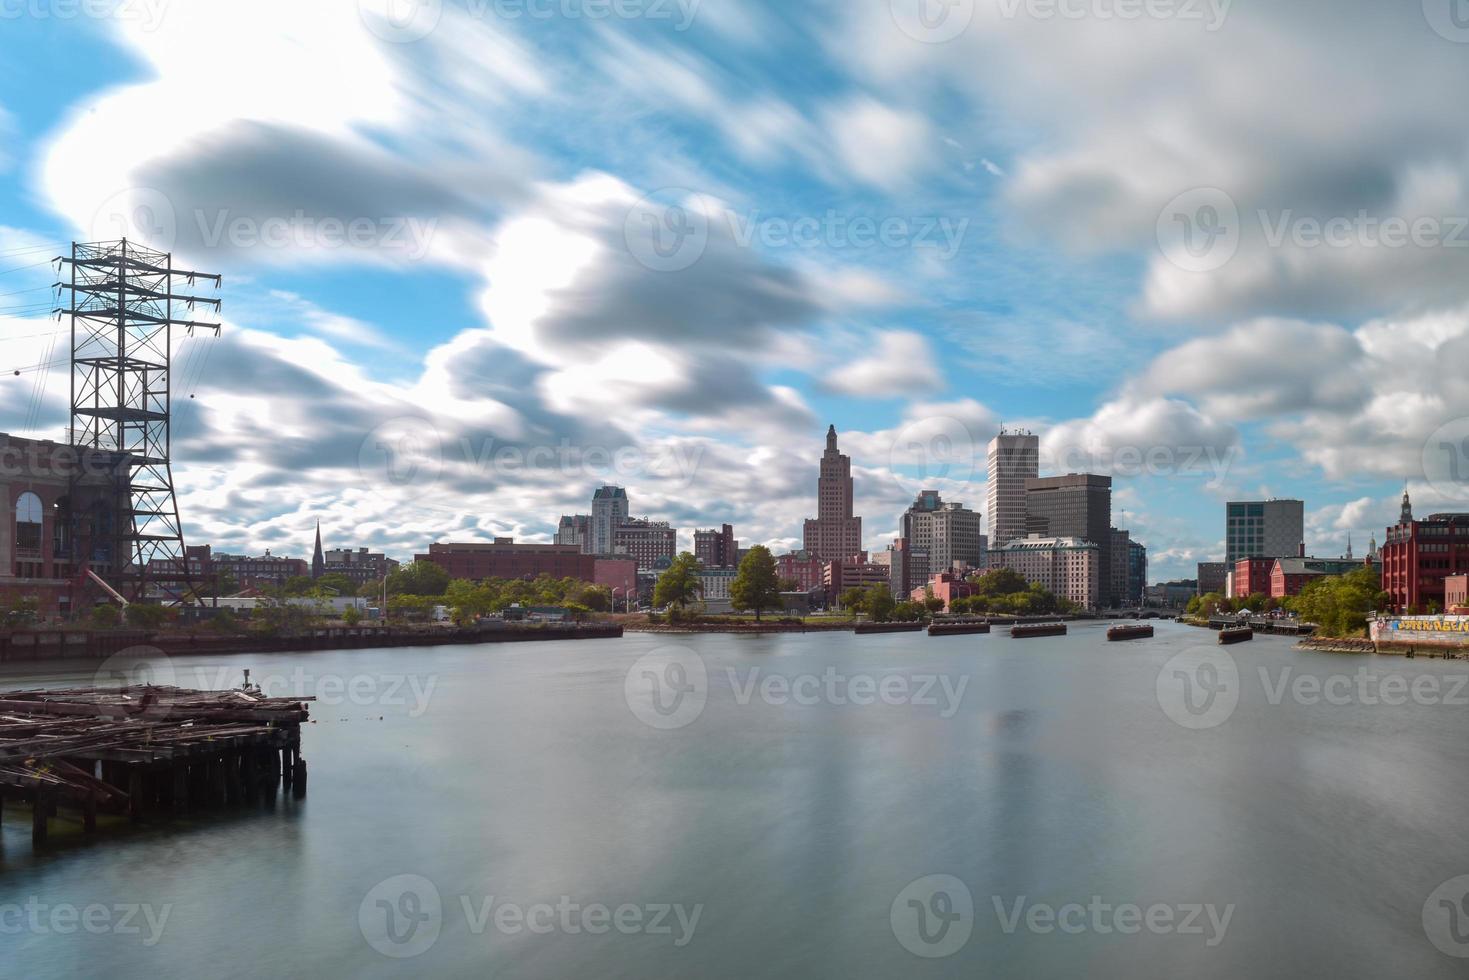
(1013, 459)
(609, 511)
(1069, 567)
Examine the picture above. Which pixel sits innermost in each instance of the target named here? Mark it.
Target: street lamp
(615, 590)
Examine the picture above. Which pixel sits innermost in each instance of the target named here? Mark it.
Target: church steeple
(1406, 517)
(318, 560)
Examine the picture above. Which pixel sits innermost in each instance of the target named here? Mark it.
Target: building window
(28, 526)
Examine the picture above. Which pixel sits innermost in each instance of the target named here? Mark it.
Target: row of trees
(756, 587)
(1338, 604)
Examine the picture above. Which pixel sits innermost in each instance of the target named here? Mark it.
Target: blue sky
(630, 249)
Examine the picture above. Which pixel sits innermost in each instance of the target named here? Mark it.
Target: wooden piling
(40, 810)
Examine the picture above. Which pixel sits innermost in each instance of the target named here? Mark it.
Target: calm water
(520, 775)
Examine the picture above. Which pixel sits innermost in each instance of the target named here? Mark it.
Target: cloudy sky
(483, 256)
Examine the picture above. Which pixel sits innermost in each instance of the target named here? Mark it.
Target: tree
(297, 585)
(351, 616)
(679, 585)
(756, 585)
(790, 585)
(932, 602)
(105, 616)
(145, 617)
(338, 583)
(853, 599)
(418, 578)
(1001, 581)
(907, 612)
(880, 604)
(1338, 604)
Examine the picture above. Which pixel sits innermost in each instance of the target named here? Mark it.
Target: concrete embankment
(63, 644)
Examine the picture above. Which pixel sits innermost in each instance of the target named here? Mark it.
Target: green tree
(1001, 581)
(679, 585)
(145, 617)
(423, 578)
(880, 603)
(297, 586)
(853, 599)
(790, 585)
(467, 601)
(756, 585)
(1338, 604)
(907, 612)
(105, 616)
(337, 583)
(351, 616)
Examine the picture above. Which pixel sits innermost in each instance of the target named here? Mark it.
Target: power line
(19, 268)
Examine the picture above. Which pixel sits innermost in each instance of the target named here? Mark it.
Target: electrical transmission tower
(122, 321)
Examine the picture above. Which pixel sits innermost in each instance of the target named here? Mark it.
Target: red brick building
(804, 569)
(855, 572)
(1290, 575)
(1419, 557)
(64, 506)
(506, 559)
(1252, 575)
(717, 548)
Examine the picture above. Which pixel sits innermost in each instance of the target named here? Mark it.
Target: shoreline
(44, 646)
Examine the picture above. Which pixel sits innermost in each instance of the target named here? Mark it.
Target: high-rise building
(1212, 577)
(609, 509)
(1119, 559)
(646, 542)
(717, 548)
(1078, 505)
(575, 529)
(1013, 459)
(1264, 529)
(949, 533)
(1137, 571)
(834, 533)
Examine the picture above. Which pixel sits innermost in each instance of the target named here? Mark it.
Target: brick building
(64, 506)
(855, 572)
(717, 548)
(1251, 576)
(361, 566)
(1419, 557)
(834, 533)
(1456, 594)
(1288, 576)
(946, 586)
(506, 559)
(645, 542)
(805, 570)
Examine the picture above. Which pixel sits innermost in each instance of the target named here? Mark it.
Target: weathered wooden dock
(146, 750)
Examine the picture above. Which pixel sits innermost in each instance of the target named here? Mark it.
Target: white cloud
(901, 364)
(879, 144)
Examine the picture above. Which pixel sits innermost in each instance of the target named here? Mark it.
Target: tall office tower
(575, 529)
(834, 533)
(1076, 505)
(609, 510)
(1264, 529)
(949, 533)
(1013, 459)
(717, 548)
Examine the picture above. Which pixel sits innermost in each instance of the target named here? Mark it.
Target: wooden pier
(145, 750)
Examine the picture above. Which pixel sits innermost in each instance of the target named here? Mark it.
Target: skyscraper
(717, 548)
(1264, 529)
(834, 533)
(1076, 505)
(948, 534)
(609, 509)
(1013, 459)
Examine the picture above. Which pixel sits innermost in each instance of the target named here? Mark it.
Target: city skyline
(861, 252)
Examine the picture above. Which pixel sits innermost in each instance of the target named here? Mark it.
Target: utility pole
(122, 319)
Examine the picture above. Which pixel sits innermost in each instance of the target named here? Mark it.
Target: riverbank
(63, 644)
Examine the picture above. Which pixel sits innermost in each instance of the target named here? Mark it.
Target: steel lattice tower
(122, 321)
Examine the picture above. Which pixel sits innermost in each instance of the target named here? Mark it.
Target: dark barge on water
(959, 627)
(1138, 632)
(1238, 634)
(1025, 631)
(145, 749)
(888, 627)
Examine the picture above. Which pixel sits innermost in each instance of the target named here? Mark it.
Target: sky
(483, 256)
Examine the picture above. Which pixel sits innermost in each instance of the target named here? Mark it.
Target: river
(817, 805)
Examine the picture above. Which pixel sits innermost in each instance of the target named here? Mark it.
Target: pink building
(946, 586)
(619, 574)
(855, 572)
(807, 571)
